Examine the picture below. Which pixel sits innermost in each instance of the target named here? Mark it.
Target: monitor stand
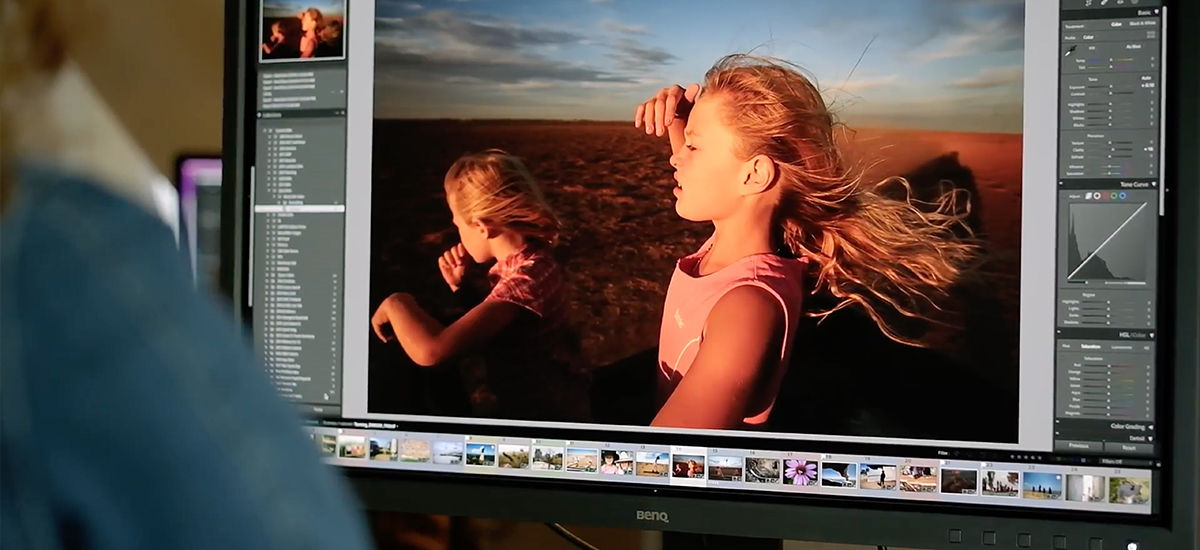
(692, 541)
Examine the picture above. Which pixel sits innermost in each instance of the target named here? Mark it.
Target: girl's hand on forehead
(672, 103)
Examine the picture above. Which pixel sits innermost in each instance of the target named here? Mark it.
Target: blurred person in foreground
(134, 415)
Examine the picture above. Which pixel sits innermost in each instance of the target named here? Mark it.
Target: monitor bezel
(810, 518)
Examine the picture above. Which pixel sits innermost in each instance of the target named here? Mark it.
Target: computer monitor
(1015, 361)
(198, 179)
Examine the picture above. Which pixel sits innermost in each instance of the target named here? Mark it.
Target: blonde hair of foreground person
(49, 112)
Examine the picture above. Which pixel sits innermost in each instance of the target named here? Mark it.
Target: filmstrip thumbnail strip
(1029, 485)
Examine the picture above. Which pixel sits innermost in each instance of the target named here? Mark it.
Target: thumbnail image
(1043, 486)
(960, 482)
(302, 30)
(583, 460)
(616, 462)
(481, 454)
(328, 444)
(384, 449)
(415, 450)
(800, 472)
(877, 476)
(1001, 483)
(447, 452)
(1085, 488)
(725, 468)
(839, 474)
(1129, 490)
(547, 458)
(689, 466)
(352, 446)
(762, 470)
(918, 479)
(514, 456)
(651, 464)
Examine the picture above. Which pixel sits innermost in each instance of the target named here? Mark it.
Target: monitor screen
(199, 181)
(894, 252)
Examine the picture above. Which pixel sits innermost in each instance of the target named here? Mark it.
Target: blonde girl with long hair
(519, 328)
(311, 24)
(754, 153)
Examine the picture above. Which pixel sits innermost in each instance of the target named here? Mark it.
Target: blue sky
(480, 448)
(283, 8)
(1053, 481)
(864, 467)
(443, 447)
(937, 64)
(725, 461)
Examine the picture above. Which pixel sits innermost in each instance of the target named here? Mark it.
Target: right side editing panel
(1109, 210)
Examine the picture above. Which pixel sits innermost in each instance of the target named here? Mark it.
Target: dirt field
(611, 185)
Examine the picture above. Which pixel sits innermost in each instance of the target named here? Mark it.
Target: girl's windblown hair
(497, 189)
(869, 247)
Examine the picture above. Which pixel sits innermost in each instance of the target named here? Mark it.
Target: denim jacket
(134, 415)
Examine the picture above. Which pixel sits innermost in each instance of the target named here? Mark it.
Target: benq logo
(647, 515)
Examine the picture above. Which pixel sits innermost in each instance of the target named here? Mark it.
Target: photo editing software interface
(375, 124)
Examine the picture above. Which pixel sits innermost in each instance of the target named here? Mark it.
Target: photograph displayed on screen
(328, 445)
(877, 476)
(352, 446)
(384, 449)
(616, 462)
(651, 464)
(918, 479)
(447, 452)
(581, 217)
(687, 466)
(1002, 483)
(762, 470)
(302, 30)
(514, 456)
(583, 460)
(799, 472)
(1128, 490)
(725, 468)
(416, 450)
(960, 482)
(547, 458)
(481, 454)
(1043, 486)
(839, 474)
(1085, 488)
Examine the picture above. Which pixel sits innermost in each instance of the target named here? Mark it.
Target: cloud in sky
(991, 77)
(500, 70)
(639, 56)
(570, 59)
(454, 29)
(611, 25)
(862, 84)
(442, 45)
(977, 37)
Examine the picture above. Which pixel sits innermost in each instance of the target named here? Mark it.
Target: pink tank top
(691, 297)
